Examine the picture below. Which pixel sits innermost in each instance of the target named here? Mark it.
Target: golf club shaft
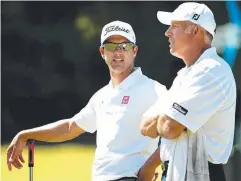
(30, 173)
(31, 158)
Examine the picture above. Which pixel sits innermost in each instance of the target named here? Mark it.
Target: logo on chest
(125, 100)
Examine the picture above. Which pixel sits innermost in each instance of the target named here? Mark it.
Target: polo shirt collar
(207, 53)
(128, 81)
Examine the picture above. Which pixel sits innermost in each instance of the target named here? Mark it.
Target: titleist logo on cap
(115, 28)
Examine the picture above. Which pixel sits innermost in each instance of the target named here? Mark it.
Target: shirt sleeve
(86, 118)
(153, 110)
(195, 102)
(157, 107)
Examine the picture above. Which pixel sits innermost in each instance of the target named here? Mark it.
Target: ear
(135, 50)
(195, 30)
(102, 53)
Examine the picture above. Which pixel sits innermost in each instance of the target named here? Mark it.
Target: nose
(117, 52)
(168, 32)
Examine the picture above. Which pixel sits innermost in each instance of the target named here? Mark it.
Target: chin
(117, 70)
(174, 53)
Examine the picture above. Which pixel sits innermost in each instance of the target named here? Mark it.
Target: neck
(117, 78)
(192, 56)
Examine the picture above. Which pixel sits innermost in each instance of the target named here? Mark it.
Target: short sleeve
(157, 107)
(195, 102)
(86, 118)
(153, 110)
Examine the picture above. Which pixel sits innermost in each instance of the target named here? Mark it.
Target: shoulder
(214, 66)
(99, 94)
(215, 71)
(151, 85)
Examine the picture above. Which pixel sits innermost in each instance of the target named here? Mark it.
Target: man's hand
(168, 127)
(149, 126)
(14, 152)
(147, 174)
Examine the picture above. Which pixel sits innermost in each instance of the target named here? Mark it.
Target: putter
(30, 158)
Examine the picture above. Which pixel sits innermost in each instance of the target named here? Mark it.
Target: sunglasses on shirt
(122, 46)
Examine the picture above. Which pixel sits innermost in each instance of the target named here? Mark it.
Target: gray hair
(208, 38)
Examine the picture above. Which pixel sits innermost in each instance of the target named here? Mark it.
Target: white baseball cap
(118, 28)
(190, 11)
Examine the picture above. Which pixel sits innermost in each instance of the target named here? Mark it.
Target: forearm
(59, 131)
(168, 127)
(154, 160)
(147, 171)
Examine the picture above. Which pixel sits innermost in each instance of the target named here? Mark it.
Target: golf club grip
(30, 153)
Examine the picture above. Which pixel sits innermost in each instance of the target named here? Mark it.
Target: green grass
(58, 163)
(53, 163)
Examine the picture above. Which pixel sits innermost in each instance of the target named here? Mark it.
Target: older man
(115, 112)
(201, 100)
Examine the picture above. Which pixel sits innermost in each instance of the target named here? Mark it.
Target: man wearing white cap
(200, 104)
(115, 112)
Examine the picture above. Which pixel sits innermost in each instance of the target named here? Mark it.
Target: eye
(124, 47)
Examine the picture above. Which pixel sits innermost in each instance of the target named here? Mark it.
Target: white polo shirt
(204, 96)
(116, 115)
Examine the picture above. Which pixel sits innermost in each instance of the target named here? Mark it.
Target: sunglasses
(113, 46)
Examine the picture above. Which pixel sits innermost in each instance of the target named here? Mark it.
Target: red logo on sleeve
(125, 100)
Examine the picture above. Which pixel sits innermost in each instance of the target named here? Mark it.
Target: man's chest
(125, 107)
(183, 80)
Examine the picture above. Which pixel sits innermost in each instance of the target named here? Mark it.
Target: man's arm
(161, 125)
(63, 130)
(59, 131)
(149, 126)
(168, 127)
(147, 171)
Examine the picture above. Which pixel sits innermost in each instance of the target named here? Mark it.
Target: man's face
(179, 37)
(118, 53)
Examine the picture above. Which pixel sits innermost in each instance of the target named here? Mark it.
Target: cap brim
(119, 34)
(165, 17)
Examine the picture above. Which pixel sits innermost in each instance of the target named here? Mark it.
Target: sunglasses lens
(110, 47)
(126, 46)
(113, 46)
